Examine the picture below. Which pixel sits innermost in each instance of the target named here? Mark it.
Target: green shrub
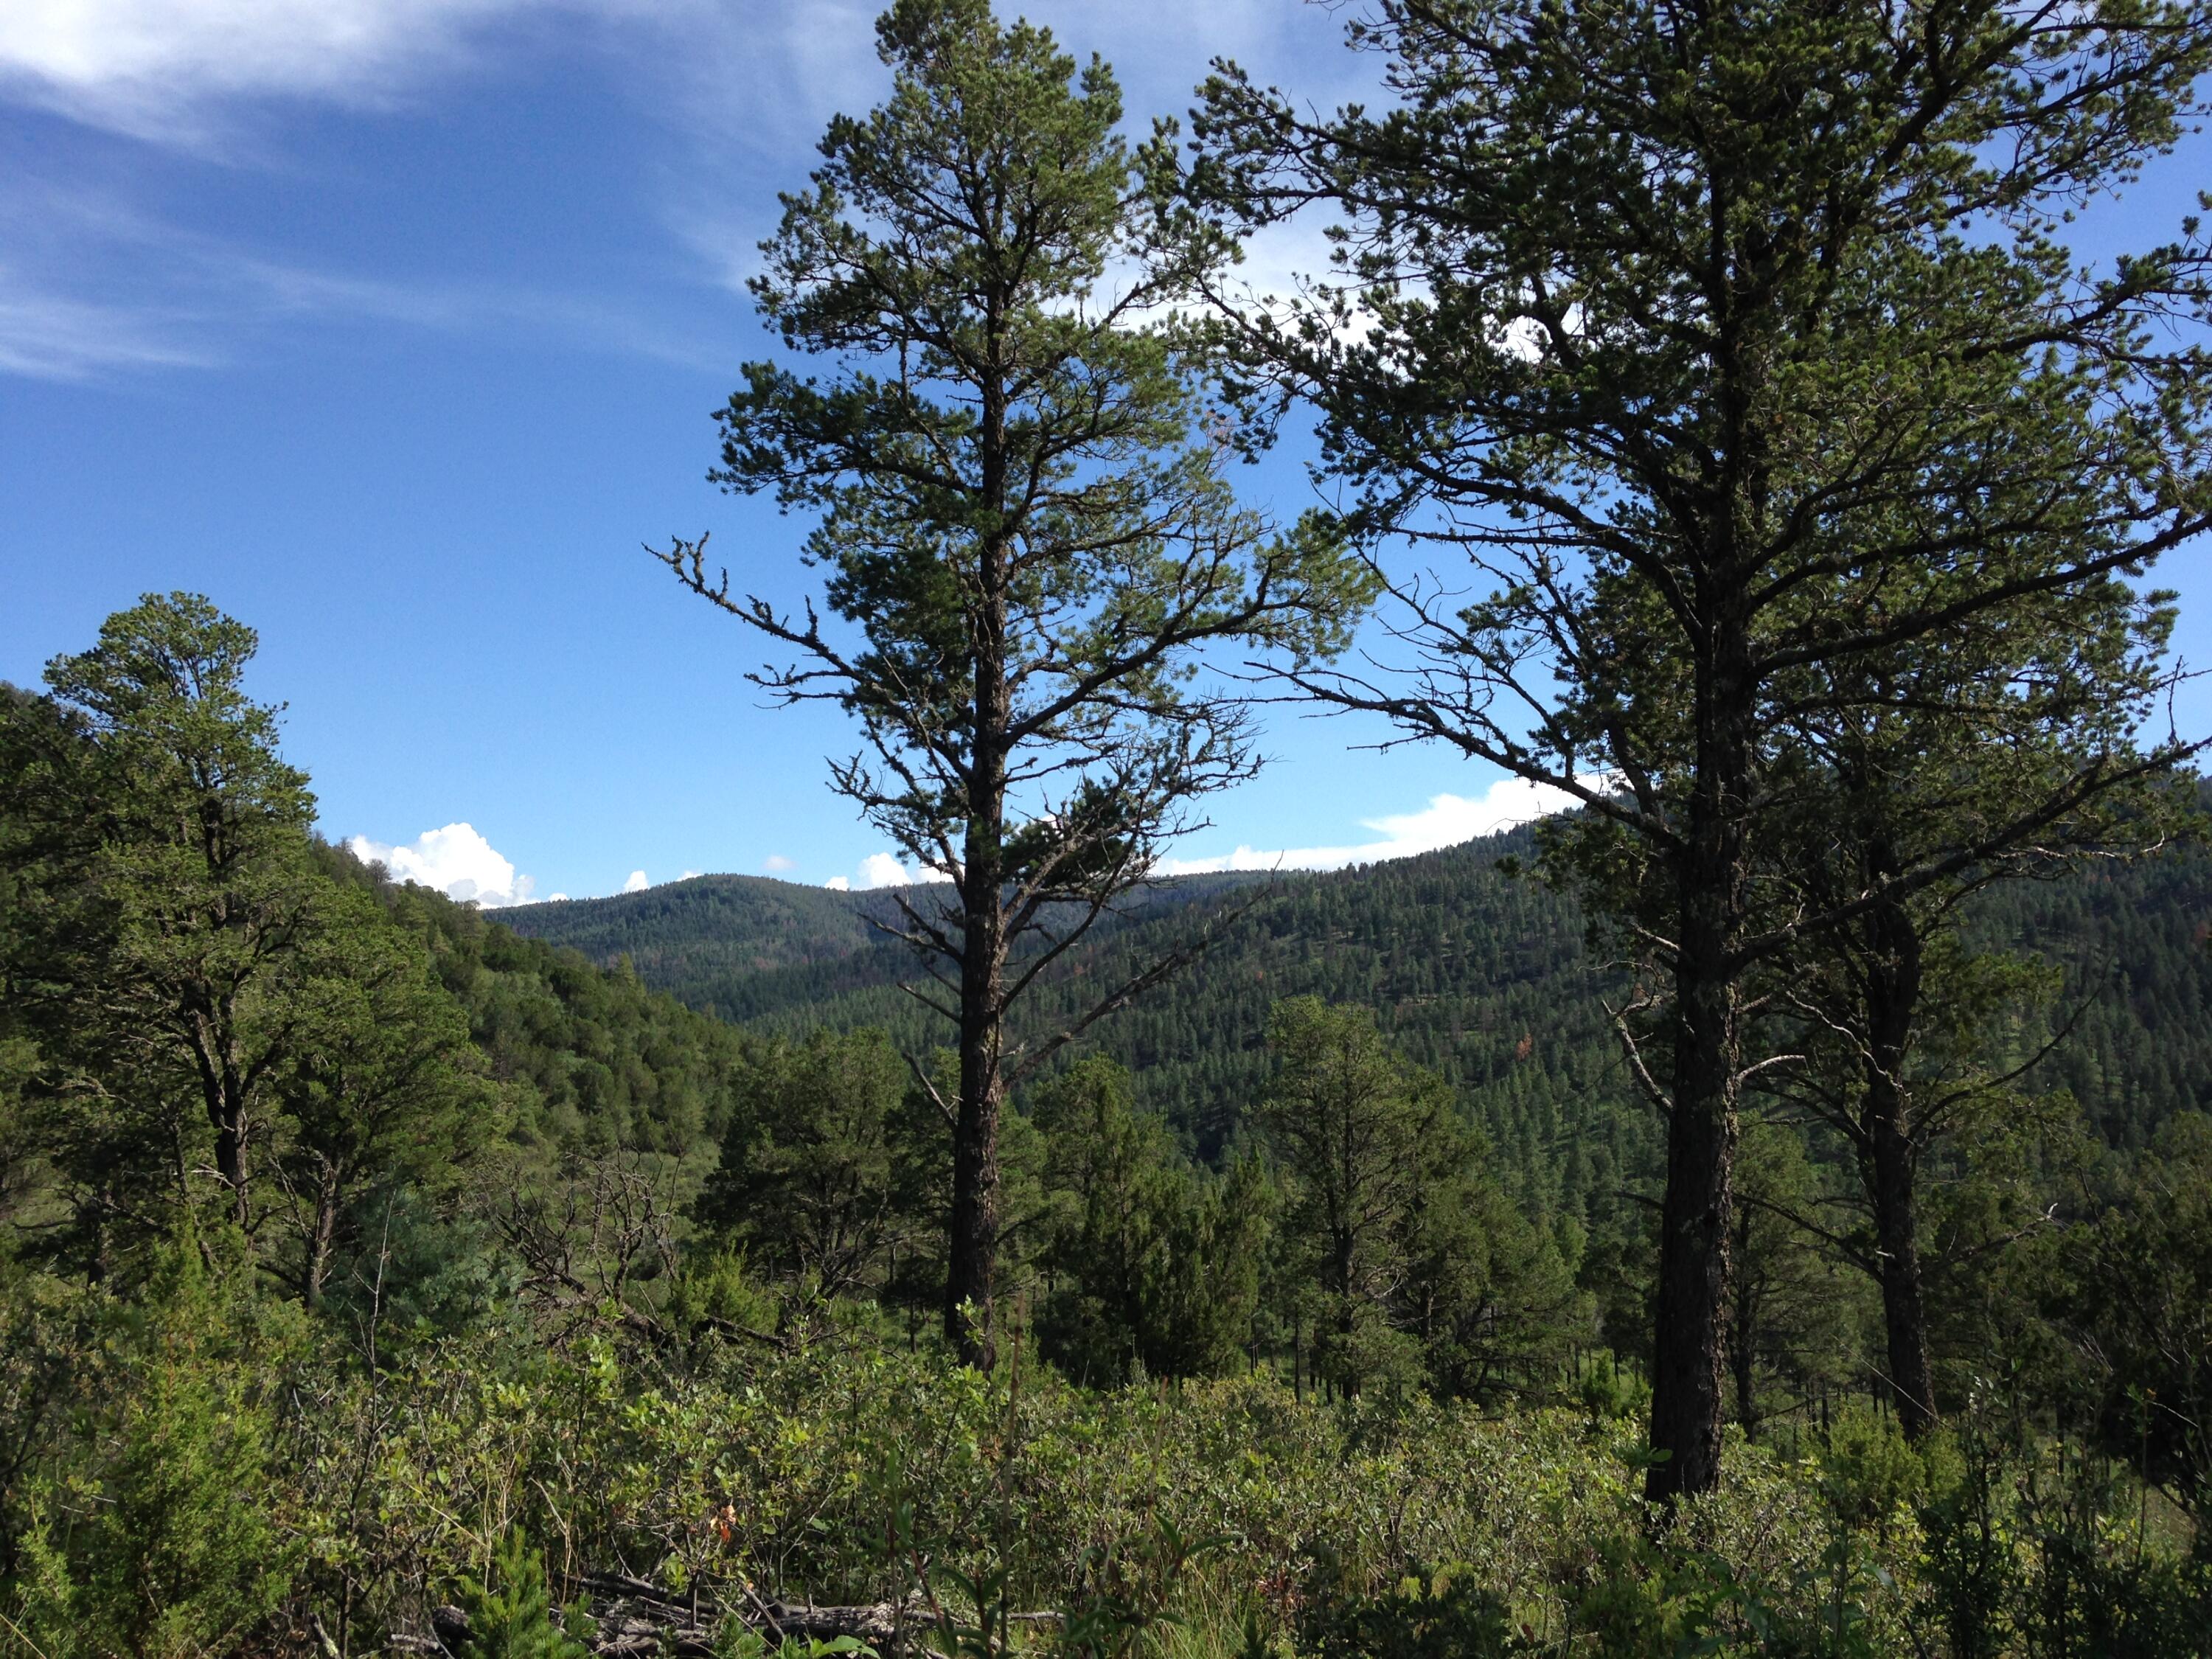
(1158, 1519)
(510, 1611)
(155, 1535)
(1423, 1616)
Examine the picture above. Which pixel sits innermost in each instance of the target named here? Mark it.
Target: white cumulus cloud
(882, 870)
(877, 870)
(1446, 821)
(776, 864)
(456, 860)
(637, 883)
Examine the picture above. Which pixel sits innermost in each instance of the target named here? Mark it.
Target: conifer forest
(1762, 1207)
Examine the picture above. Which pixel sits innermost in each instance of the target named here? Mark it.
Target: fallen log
(631, 1619)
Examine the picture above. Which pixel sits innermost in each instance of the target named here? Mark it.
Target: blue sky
(394, 326)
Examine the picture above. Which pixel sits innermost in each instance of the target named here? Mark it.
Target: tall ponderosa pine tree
(1921, 760)
(161, 848)
(1030, 544)
(379, 1083)
(1730, 342)
(1371, 1145)
(217, 1023)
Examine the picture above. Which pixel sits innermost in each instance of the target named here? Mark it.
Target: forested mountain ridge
(1481, 975)
(586, 1054)
(723, 937)
(708, 928)
(1484, 975)
(2133, 938)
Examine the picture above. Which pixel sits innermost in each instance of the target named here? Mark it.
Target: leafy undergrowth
(1212, 1520)
(1212, 1517)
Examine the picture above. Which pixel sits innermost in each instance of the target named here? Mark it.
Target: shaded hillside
(707, 930)
(586, 1055)
(1480, 975)
(2133, 938)
(1476, 974)
(749, 948)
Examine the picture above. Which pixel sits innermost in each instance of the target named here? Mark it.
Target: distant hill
(1478, 974)
(1481, 975)
(706, 930)
(720, 942)
(586, 1055)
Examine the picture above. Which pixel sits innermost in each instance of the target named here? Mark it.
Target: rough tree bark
(1892, 1158)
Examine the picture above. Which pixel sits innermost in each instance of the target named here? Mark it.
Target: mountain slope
(1478, 974)
(1484, 976)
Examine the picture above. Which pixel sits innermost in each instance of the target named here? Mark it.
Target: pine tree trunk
(1743, 1332)
(224, 1092)
(1890, 1160)
(1695, 1215)
(1341, 1259)
(1686, 1345)
(971, 1266)
(1905, 1319)
(230, 1162)
(972, 1258)
(324, 1235)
